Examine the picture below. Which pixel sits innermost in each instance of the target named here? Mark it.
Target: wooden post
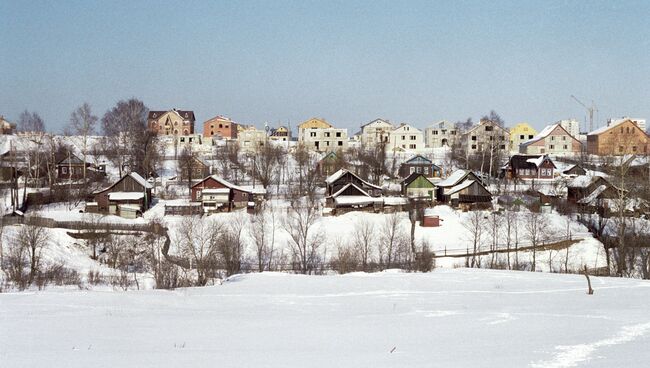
(590, 291)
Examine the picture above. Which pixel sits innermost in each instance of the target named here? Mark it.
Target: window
(489, 128)
(473, 137)
(220, 126)
(338, 134)
(522, 136)
(564, 137)
(340, 143)
(633, 148)
(473, 146)
(327, 143)
(551, 147)
(503, 146)
(403, 137)
(411, 146)
(620, 148)
(198, 194)
(552, 137)
(435, 132)
(426, 170)
(312, 134)
(565, 147)
(412, 137)
(531, 136)
(327, 134)
(411, 169)
(418, 170)
(64, 170)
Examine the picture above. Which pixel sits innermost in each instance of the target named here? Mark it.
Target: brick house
(622, 138)
(172, 122)
(220, 127)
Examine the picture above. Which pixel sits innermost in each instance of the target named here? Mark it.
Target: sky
(349, 62)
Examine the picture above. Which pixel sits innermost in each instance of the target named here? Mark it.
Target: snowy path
(467, 318)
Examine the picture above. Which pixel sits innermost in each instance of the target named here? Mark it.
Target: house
(128, 197)
(220, 127)
(345, 189)
(217, 194)
(418, 186)
(6, 128)
(250, 138)
(462, 187)
(280, 134)
(486, 136)
(441, 134)
(71, 168)
(583, 186)
(530, 167)
(622, 138)
(575, 170)
(519, 134)
(405, 137)
(639, 122)
(197, 169)
(552, 139)
(172, 122)
(319, 135)
(329, 164)
(419, 164)
(375, 132)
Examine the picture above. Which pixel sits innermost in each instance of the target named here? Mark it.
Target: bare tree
(390, 235)
(125, 126)
(303, 239)
(268, 159)
(363, 238)
(30, 122)
(33, 239)
(186, 163)
(476, 228)
(198, 241)
(231, 246)
(536, 228)
(82, 123)
(495, 225)
(262, 229)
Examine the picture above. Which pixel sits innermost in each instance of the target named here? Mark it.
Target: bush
(346, 261)
(425, 260)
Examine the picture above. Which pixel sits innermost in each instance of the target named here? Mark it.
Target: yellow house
(519, 134)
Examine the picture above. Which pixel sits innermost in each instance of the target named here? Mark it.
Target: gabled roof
(528, 161)
(546, 132)
(484, 123)
(339, 174)
(454, 179)
(346, 186)
(140, 180)
(223, 182)
(184, 114)
(460, 187)
(71, 160)
(378, 120)
(612, 126)
(411, 178)
(419, 159)
(410, 127)
(583, 181)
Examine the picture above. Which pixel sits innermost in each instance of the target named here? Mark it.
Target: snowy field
(448, 318)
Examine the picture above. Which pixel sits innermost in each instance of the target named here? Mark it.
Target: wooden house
(421, 165)
(217, 194)
(418, 186)
(575, 170)
(530, 167)
(345, 189)
(462, 187)
(128, 197)
(329, 164)
(584, 186)
(621, 138)
(196, 170)
(72, 168)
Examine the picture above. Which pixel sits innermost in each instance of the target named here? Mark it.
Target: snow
(356, 200)
(336, 176)
(459, 187)
(216, 191)
(453, 179)
(140, 180)
(541, 135)
(593, 195)
(536, 161)
(459, 318)
(346, 186)
(581, 181)
(125, 196)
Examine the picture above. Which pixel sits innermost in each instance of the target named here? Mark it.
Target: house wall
(428, 170)
(440, 135)
(519, 134)
(376, 132)
(486, 135)
(126, 184)
(171, 123)
(406, 137)
(324, 140)
(220, 127)
(625, 138)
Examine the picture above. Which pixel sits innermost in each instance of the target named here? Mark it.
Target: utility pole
(590, 111)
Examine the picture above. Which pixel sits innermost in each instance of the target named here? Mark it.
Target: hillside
(460, 317)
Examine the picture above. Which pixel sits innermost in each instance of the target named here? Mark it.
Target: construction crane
(590, 110)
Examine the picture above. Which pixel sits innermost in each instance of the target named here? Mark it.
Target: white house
(440, 134)
(376, 131)
(405, 137)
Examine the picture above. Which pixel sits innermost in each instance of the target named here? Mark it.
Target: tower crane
(590, 111)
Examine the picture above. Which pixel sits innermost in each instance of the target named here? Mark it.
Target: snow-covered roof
(346, 186)
(337, 175)
(459, 187)
(223, 182)
(125, 196)
(543, 134)
(593, 195)
(608, 127)
(356, 200)
(581, 181)
(140, 180)
(536, 161)
(453, 179)
(395, 201)
(131, 207)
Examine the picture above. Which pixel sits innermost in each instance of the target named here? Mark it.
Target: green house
(418, 186)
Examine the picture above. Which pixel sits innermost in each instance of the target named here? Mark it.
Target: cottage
(71, 168)
(462, 187)
(128, 197)
(624, 137)
(172, 122)
(220, 127)
(590, 187)
(217, 194)
(195, 169)
(530, 167)
(417, 186)
(329, 164)
(345, 189)
(419, 164)
(552, 139)
(375, 132)
(575, 170)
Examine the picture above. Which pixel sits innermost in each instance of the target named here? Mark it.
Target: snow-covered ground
(448, 318)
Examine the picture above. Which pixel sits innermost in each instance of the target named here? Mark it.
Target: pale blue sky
(348, 62)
